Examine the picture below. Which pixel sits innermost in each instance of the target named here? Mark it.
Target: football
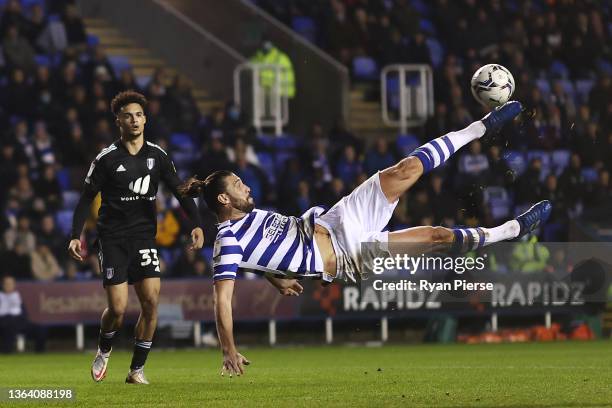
(492, 85)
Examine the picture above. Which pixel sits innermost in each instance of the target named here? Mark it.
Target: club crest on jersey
(110, 272)
(150, 163)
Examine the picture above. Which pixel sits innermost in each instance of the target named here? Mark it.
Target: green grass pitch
(569, 374)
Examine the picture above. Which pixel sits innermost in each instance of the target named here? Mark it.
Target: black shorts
(130, 260)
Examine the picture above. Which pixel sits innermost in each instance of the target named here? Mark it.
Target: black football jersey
(128, 185)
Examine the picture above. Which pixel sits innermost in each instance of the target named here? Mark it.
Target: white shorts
(357, 218)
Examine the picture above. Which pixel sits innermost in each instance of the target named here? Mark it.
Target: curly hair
(125, 98)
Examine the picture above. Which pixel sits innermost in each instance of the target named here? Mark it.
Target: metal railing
(410, 99)
(268, 106)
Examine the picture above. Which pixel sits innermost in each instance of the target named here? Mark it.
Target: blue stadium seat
(560, 160)
(393, 93)
(544, 86)
(558, 69)
(266, 163)
(63, 178)
(498, 202)
(544, 158)
(285, 142)
(92, 40)
(182, 141)
(604, 66)
(436, 52)
(427, 26)
(142, 81)
(207, 253)
(568, 87)
(42, 59)
(280, 158)
(407, 143)
(583, 89)
(590, 174)
(516, 161)
(420, 7)
(365, 68)
(70, 198)
(63, 220)
(306, 27)
(119, 63)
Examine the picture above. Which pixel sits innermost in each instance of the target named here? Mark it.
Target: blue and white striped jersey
(265, 241)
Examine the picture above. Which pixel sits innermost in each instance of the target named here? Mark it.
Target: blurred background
(303, 100)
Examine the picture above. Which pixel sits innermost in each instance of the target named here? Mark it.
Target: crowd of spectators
(54, 118)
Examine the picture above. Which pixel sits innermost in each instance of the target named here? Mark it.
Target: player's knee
(118, 309)
(441, 235)
(149, 306)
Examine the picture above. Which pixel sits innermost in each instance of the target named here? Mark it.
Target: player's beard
(246, 206)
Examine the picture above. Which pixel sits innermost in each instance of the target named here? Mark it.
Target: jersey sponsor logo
(140, 185)
(150, 163)
(110, 272)
(120, 168)
(274, 227)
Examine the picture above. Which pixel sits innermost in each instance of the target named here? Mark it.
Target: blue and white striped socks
(438, 151)
(470, 239)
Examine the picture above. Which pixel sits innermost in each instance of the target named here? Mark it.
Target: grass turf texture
(504, 375)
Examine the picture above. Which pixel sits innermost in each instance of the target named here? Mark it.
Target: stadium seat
(92, 40)
(207, 253)
(393, 92)
(498, 202)
(407, 143)
(70, 198)
(583, 89)
(266, 163)
(63, 219)
(568, 88)
(427, 26)
(436, 52)
(63, 178)
(560, 160)
(142, 81)
(544, 158)
(559, 70)
(306, 27)
(42, 59)
(589, 174)
(285, 142)
(182, 141)
(365, 68)
(420, 7)
(119, 63)
(516, 161)
(544, 86)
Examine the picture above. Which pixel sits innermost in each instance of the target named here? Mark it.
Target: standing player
(127, 174)
(328, 244)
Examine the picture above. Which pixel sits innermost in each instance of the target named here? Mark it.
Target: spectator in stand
(158, 126)
(214, 157)
(75, 29)
(443, 202)
(571, 179)
(76, 150)
(17, 261)
(12, 16)
(44, 264)
(22, 192)
(379, 157)
(253, 177)
(529, 188)
(187, 264)
(474, 165)
(36, 25)
(12, 316)
(18, 95)
(17, 51)
(48, 188)
(48, 234)
(20, 234)
(348, 166)
(168, 227)
(182, 105)
(43, 145)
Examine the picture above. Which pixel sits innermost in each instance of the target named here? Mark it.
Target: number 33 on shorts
(149, 256)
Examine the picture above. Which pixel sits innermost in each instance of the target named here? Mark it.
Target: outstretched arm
(233, 362)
